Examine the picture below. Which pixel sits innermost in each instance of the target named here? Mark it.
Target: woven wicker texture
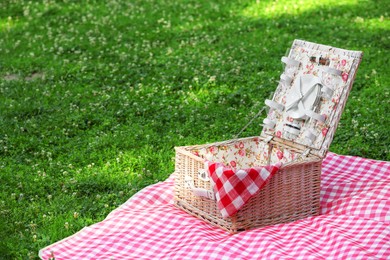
(293, 193)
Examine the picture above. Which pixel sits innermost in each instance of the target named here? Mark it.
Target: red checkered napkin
(233, 188)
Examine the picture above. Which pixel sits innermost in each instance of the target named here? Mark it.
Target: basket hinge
(268, 139)
(306, 152)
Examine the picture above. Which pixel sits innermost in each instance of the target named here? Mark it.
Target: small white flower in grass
(75, 214)
(359, 19)
(66, 225)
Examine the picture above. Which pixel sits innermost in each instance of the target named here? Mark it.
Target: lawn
(94, 95)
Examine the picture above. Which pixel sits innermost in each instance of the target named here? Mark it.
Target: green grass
(94, 95)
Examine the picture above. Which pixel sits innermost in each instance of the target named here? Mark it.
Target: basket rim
(186, 150)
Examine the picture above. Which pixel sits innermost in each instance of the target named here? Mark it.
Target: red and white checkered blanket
(234, 187)
(354, 224)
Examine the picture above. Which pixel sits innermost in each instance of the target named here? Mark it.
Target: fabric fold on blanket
(354, 224)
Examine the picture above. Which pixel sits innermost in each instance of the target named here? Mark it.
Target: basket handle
(235, 137)
(200, 192)
(250, 122)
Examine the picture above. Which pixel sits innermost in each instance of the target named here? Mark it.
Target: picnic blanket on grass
(354, 224)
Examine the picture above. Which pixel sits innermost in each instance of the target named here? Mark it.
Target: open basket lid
(310, 98)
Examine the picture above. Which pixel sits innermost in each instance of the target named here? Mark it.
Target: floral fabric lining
(247, 153)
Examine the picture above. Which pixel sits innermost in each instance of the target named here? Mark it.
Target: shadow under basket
(291, 194)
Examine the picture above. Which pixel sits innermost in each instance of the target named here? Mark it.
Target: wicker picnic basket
(298, 130)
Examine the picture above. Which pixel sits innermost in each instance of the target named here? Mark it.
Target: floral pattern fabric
(328, 107)
(247, 153)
